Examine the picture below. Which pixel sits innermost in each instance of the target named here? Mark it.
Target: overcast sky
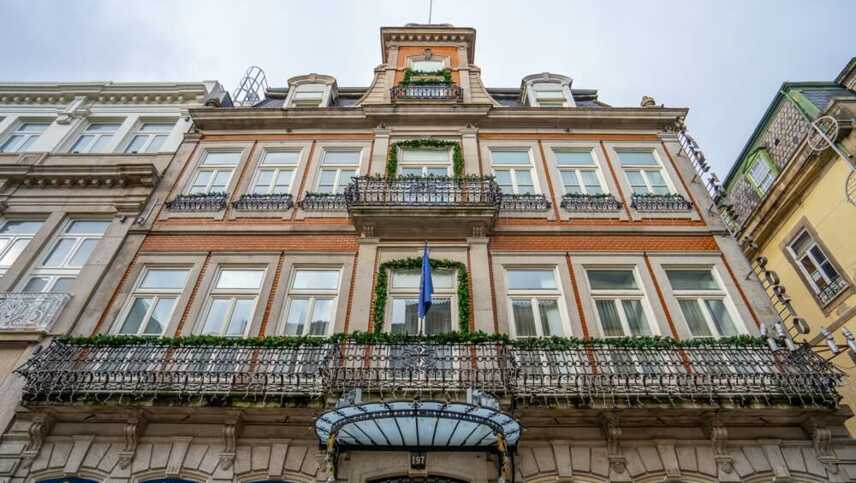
(723, 59)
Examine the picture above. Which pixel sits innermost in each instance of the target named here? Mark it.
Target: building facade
(591, 321)
(793, 198)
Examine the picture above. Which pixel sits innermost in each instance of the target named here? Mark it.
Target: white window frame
(29, 137)
(533, 296)
(578, 168)
(515, 168)
(313, 295)
(806, 275)
(233, 295)
(137, 132)
(403, 162)
(309, 87)
(338, 183)
(277, 168)
(155, 294)
(214, 169)
(549, 101)
(700, 295)
(400, 293)
(96, 136)
(616, 296)
(644, 168)
(15, 238)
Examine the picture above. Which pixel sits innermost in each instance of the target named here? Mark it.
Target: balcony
(672, 203)
(590, 374)
(524, 202)
(30, 312)
(832, 290)
(582, 203)
(403, 206)
(323, 202)
(429, 92)
(198, 202)
(261, 202)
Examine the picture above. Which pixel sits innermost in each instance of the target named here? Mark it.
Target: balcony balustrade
(578, 202)
(198, 202)
(323, 202)
(428, 92)
(660, 203)
(832, 290)
(262, 202)
(30, 312)
(525, 202)
(589, 373)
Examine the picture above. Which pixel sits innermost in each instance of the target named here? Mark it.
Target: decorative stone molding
(612, 433)
(74, 110)
(134, 427)
(821, 437)
(231, 430)
(648, 101)
(123, 175)
(718, 435)
(37, 432)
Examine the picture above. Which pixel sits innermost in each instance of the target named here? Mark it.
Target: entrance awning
(416, 425)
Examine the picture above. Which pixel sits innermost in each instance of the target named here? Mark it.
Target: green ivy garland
(415, 263)
(457, 155)
(380, 337)
(430, 78)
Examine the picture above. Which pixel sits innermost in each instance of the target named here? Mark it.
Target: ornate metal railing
(834, 288)
(431, 92)
(198, 202)
(323, 202)
(588, 374)
(590, 203)
(30, 312)
(428, 191)
(662, 203)
(525, 202)
(259, 202)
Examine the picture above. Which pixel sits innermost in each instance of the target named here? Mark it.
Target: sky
(724, 59)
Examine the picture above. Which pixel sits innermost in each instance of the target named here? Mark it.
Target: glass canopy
(416, 425)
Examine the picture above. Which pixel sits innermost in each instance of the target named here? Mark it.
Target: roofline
(845, 72)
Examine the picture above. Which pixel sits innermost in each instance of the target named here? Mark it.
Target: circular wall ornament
(827, 125)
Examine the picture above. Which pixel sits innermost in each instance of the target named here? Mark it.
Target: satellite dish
(825, 132)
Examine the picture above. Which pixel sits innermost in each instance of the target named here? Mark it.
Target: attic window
(549, 95)
(308, 95)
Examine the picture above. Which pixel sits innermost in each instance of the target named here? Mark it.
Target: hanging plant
(415, 263)
(422, 78)
(457, 155)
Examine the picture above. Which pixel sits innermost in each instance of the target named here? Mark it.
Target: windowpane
(62, 285)
(283, 181)
(438, 320)
(240, 317)
(137, 143)
(531, 279)
(720, 317)
(503, 178)
(410, 278)
(525, 185)
(89, 227)
(802, 243)
(326, 180)
(83, 252)
(263, 181)
(33, 127)
(21, 227)
(82, 143)
(637, 182)
(635, 317)
(692, 280)
(281, 157)
(637, 158)
(135, 316)
(509, 157)
(609, 318)
(551, 321)
(156, 143)
(405, 316)
(695, 318)
(296, 315)
(592, 182)
(405, 171)
(611, 279)
(321, 316)
(240, 279)
(151, 127)
(436, 171)
(219, 158)
(658, 183)
(524, 319)
(11, 144)
(59, 253)
(165, 278)
(102, 127)
(160, 317)
(434, 156)
(570, 181)
(200, 182)
(341, 157)
(574, 158)
(14, 252)
(101, 144)
(316, 279)
(35, 285)
(427, 65)
(221, 180)
(216, 316)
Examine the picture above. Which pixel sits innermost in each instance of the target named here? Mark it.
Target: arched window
(68, 480)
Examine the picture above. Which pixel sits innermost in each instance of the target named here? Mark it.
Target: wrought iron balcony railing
(594, 373)
(832, 290)
(578, 202)
(429, 92)
(525, 202)
(660, 203)
(260, 202)
(198, 202)
(428, 191)
(323, 202)
(30, 312)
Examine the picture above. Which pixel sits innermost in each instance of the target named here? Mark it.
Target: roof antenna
(430, 9)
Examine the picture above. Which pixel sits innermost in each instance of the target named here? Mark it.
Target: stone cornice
(103, 92)
(428, 33)
(113, 176)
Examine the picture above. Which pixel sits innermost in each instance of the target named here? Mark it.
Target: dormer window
(312, 90)
(308, 95)
(549, 95)
(547, 90)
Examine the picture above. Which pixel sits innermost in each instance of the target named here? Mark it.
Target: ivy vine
(457, 155)
(415, 263)
(426, 78)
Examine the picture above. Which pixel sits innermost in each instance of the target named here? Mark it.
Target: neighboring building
(793, 201)
(551, 217)
(78, 162)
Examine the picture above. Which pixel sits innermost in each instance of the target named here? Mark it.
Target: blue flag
(426, 286)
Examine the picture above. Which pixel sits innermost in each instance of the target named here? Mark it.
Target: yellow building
(792, 198)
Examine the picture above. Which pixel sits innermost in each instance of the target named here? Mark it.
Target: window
(23, 137)
(308, 95)
(404, 295)
(619, 302)
(68, 253)
(817, 269)
(311, 306)
(761, 173)
(549, 94)
(513, 171)
(424, 162)
(15, 235)
(337, 169)
(96, 138)
(644, 172)
(534, 302)
(275, 172)
(703, 302)
(427, 65)
(579, 172)
(214, 172)
(149, 137)
(232, 301)
(152, 301)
